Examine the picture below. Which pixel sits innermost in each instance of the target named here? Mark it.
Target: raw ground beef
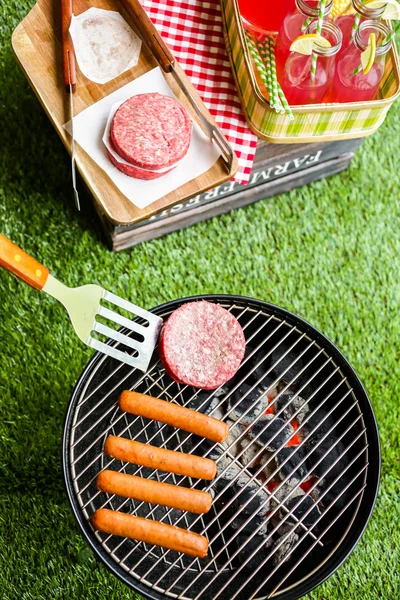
(202, 344)
(151, 131)
(132, 171)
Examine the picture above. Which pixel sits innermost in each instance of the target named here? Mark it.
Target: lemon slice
(306, 43)
(392, 10)
(368, 56)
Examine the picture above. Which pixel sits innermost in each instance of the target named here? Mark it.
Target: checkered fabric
(193, 31)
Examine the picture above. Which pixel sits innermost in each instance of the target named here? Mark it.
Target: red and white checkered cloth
(193, 31)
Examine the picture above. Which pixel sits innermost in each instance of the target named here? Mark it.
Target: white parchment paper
(89, 127)
(105, 45)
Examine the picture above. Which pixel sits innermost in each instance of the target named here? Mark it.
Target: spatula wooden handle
(149, 34)
(21, 264)
(67, 46)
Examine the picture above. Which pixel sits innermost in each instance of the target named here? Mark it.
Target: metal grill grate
(300, 530)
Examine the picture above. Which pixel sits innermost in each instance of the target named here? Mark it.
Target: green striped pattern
(266, 54)
(269, 46)
(321, 15)
(255, 55)
(305, 124)
(306, 23)
(356, 23)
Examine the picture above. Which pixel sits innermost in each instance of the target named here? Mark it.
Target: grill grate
(299, 531)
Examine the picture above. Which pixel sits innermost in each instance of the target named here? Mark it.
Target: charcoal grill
(296, 482)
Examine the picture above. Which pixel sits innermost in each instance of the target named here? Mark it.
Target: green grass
(329, 252)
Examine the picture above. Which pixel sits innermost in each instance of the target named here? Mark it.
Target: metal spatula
(84, 306)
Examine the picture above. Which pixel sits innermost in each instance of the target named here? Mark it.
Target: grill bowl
(92, 414)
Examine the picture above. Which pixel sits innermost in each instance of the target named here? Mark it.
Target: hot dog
(150, 532)
(172, 414)
(154, 492)
(158, 458)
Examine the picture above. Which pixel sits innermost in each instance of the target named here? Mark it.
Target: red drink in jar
(265, 15)
(346, 22)
(297, 83)
(291, 28)
(349, 86)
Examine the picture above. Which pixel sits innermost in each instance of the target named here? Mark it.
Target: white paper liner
(106, 141)
(104, 44)
(89, 126)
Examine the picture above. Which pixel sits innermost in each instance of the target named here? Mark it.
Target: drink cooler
(323, 122)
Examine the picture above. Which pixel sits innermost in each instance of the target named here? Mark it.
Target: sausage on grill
(154, 492)
(159, 458)
(150, 532)
(172, 414)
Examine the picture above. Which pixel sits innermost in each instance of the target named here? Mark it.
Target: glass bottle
(297, 82)
(291, 28)
(346, 22)
(349, 86)
(265, 15)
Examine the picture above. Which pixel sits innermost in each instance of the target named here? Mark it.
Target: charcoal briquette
(289, 403)
(273, 432)
(250, 450)
(317, 426)
(281, 549)
(288, 367)
(253, 403)
(257, 544)
(257, 498)
(305, 504)
(328, 452)
(292, 468)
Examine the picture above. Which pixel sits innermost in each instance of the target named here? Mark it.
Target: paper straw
(356, 23)
(391, 35)
(259, 63)
(266, 55)
(306, 23)
(387, 39)
(269, 53)
(321, 14)
(282, 97)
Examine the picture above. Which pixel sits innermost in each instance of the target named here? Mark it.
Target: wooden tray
(36, 42)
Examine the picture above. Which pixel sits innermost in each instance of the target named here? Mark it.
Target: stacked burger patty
(149, 135)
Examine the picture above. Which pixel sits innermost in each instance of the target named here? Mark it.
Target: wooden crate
(277, 169)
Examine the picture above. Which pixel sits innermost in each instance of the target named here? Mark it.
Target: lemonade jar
(291, 28)
(352, 83)
(297, 81)
(364, 12)
(265, 15)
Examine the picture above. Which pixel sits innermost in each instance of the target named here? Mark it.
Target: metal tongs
(70, 80)
(166, 61)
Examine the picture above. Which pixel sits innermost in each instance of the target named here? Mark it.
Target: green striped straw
(271, 47)
(321, 14)
(259, 63)
(387, 39)
(356, 23)
(273, 91)
(306, 23)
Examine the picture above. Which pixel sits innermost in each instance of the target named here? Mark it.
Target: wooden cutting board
(36, 42)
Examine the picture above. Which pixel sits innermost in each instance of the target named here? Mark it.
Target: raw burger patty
(151, 131)
(202, 344)
(132, 171)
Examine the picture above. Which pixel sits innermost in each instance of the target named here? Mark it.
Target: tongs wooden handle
(67, 46)
(150, 34)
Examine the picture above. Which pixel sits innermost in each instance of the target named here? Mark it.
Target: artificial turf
(329, 252)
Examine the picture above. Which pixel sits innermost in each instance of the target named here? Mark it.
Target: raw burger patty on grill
(151, 131)
(202, 344)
